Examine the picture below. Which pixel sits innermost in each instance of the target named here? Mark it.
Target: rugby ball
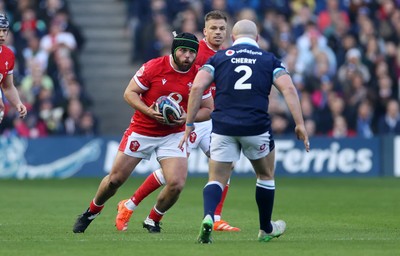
(169, 108)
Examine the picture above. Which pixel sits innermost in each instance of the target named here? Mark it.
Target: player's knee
(176, 187)
(115, 182)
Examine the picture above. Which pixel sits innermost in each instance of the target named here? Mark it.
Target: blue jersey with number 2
(243, 76)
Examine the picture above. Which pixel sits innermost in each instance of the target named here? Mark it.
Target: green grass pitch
(335, 216)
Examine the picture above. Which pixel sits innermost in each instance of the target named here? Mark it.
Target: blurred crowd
(343, 55)
(47, 44)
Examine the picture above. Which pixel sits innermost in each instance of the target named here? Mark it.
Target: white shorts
(140, 146)
(227, 148)
(200, 137)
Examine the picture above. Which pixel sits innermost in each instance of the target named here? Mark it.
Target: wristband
(189, 124)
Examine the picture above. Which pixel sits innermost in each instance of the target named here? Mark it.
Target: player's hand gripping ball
(169, 108)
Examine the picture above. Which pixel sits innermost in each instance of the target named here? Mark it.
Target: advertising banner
(63, 157)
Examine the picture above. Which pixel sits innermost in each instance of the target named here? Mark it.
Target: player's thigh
(219, 171)
(224, 148)
(123, 166)
(258, 146)
(173, 160)
(174, 170)
(265, 166)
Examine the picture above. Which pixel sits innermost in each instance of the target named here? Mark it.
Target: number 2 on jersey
(240, 83)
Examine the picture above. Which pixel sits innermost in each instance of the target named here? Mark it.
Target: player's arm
(1, 106)
(202, 81)
(206, 107)
(285, 85)
(11, 93)
(132, 97)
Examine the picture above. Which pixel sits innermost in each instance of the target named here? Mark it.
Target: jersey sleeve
(12, 61)
(277, 66)
(143, 75)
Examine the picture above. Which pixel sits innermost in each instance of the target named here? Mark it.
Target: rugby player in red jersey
(214, 36)
(6, 72)
(170, 75)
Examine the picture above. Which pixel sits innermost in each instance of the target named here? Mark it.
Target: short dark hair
(215, 15)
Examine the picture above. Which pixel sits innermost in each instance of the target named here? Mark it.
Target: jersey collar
(205, 41)
(246, 40)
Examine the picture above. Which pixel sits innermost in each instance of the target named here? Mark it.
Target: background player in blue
(244, 75)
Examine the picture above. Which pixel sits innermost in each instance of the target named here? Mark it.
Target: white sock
(130, 205)
(160, 176)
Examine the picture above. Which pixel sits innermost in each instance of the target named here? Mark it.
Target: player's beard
(184, 65)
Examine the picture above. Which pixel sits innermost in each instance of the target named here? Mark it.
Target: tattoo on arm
(280, 73)
(207, 69)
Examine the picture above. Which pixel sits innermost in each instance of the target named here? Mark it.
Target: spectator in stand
(74, 90)
(31, 127)
(33, 83)
(160, 43)
(57, 38)
(332, 13)
(347, 42)
(320, 95)
(352, 65)
(390, 122)
(250, 14)
(280, 124)
(63, 19)
(72, 117)
(364, 120)
(33, 55)
(311, 127)
(301, 17)
(309, 44)
(357, 91)
(87, 124)
(153, 35)
(340, 128)
(24, 29)
(49, 8)
(51, 115)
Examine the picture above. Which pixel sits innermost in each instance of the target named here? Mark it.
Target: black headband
(185, 40)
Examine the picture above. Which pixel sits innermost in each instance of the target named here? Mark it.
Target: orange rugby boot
(123, 216)
(222, 225)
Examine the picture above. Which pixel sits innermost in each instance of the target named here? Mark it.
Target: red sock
(93, 208)
(155, 215)
(218, 211)
(148, 186)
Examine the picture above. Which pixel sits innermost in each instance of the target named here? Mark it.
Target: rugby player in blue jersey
(243, 75)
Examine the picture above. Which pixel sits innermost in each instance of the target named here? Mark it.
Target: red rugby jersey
(159, 78)
(7, 59)
(205, 52)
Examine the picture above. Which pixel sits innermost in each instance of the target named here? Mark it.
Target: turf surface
(324, 217)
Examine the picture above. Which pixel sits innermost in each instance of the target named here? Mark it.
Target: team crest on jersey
(164, 81)
(140, 72)
(229, 52)
(190, 84)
